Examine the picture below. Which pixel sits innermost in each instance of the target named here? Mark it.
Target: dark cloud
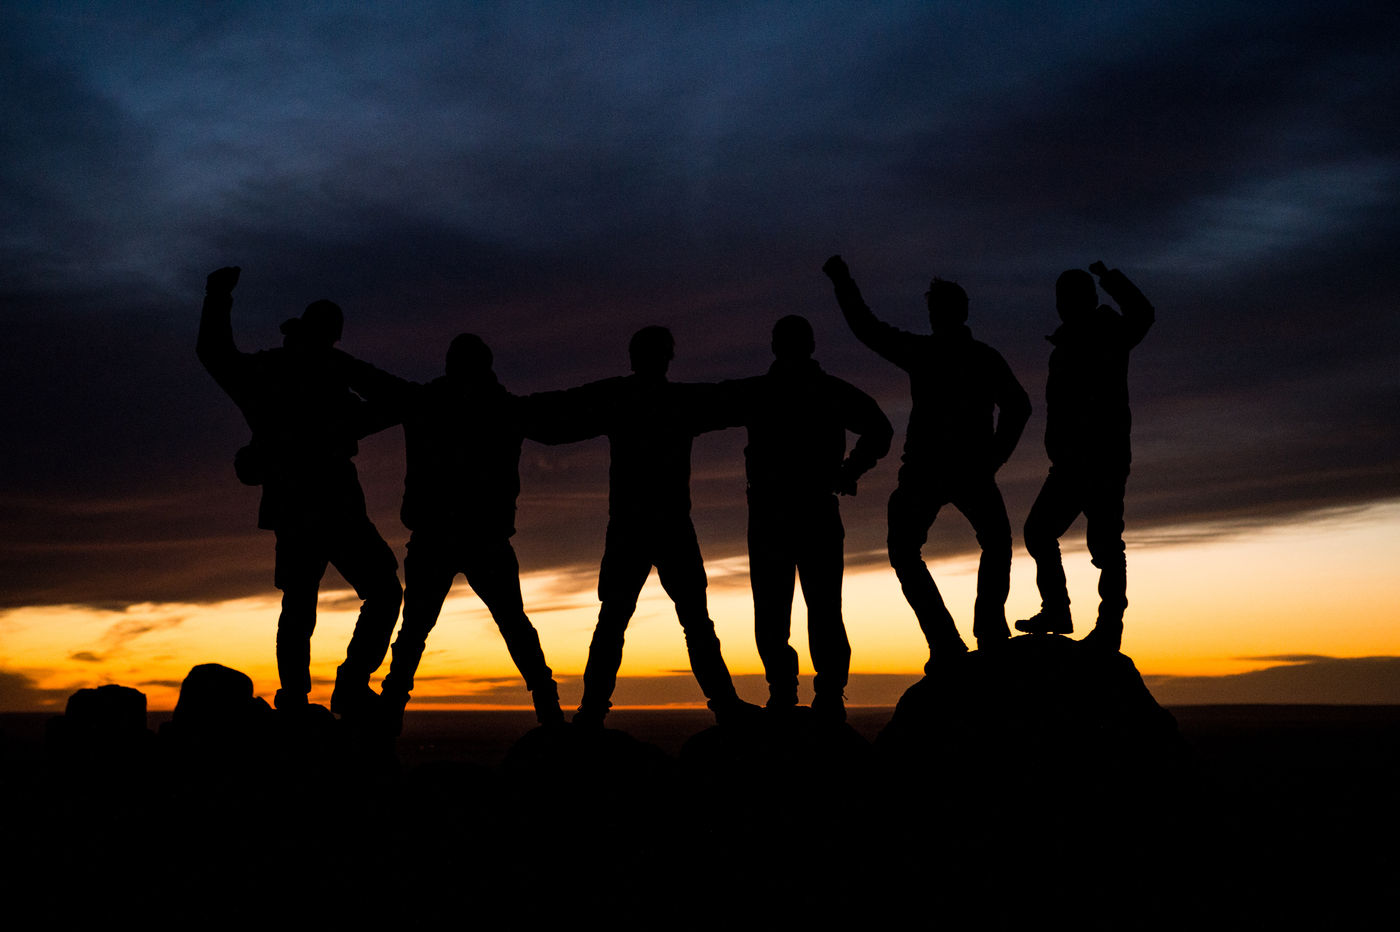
(1303, 679)
(19, 692)
(553, 179)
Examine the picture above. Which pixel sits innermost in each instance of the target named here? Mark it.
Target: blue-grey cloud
(554, 177)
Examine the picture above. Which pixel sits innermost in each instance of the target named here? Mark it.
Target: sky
(553, 176)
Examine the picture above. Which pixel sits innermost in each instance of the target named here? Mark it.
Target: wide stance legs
(493, 572)
(629, 554)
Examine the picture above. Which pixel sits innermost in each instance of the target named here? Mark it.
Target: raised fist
(221, 281)
(835, 269)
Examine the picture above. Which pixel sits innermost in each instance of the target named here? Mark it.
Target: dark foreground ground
(1273, 816)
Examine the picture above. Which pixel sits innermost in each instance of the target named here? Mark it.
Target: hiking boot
(781, 700)
(292, 703)
(734, 711)
(944, 654)
(1106, 637)
(590, 717)
(354, 700)
(1047, 621)
(391, 704)
(546, 700)
(829, 707)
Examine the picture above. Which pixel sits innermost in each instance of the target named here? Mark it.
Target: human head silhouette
(1075, 293)
(318, 327)
(793, 338)
(651, 350)
(468, 357)
(947, 304)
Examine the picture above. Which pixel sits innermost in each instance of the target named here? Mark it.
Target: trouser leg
(1054, 511)
(624, 571)
(985, 510)
(772, 571)
(911, 514)
(298, 571)
(1103, 514)
(368, 565)
(428, 573)
(682, 573)
(821, 567)
(494, 574)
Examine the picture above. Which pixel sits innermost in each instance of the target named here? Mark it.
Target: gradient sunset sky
(553, 176)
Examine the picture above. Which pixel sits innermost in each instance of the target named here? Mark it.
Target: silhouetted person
(968, 413)
(462, 435)
(306, 425)
(650, 423)
(1087, 438)
(797, 417)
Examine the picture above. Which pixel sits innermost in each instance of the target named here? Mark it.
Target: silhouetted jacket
(955, 383)
(650, 423)
(1086, 395)
(462, 439)
(797, 417)
(306, 422)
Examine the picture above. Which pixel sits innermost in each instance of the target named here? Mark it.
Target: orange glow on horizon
(1326, 586)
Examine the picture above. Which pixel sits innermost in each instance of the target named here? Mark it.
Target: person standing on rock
(797, 418)
(1087, 437)
(967, 416)
(307, 423)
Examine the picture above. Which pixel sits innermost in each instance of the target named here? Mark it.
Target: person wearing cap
(306, 424)
(968, 414)
(797, 417)
(1087, 430)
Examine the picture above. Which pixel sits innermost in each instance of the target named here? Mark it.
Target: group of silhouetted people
(308, 405)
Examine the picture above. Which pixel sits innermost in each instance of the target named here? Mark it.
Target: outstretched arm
(567, 416)
(214, 346)
(1138, 313)
(888, 341)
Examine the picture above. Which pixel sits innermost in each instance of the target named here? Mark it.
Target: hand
(835, 269)
(1099, 269)
(845, 483)
(222, 281)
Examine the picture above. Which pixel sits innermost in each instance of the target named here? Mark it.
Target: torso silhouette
(797, 417)
(306, 425)
(1086, 394)
(650, 423)
(463, 440)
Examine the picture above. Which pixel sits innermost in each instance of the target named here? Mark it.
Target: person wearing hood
(307, 421)
(797, 417)
(462, 439)
(968, 414)
(1087, 430)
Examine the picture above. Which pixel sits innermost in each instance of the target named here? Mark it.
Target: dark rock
(216, 696)
(103, 722)
(109, 710)
(1040, 713)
